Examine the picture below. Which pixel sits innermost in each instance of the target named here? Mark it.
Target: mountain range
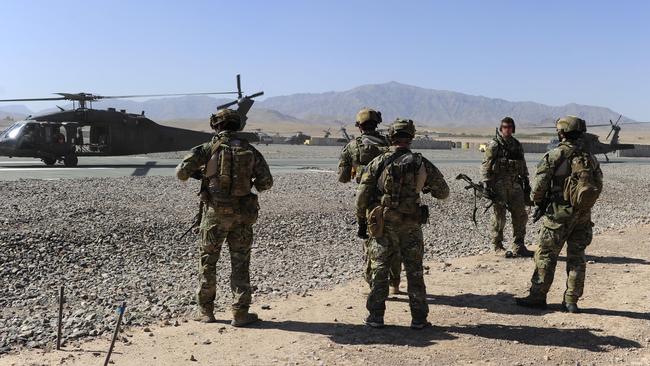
(425, 106)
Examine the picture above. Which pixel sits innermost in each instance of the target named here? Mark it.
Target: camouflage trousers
(240, 239)
(403, 239)
(394, 268)
(577, 233)
(513, 195)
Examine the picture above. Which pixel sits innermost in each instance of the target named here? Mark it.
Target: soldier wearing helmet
(564, 171)
(355, 156)
(228, 167)
(389, 196)
(504, 171)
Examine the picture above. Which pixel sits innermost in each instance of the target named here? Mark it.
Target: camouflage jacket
(428, 180)
(503, 159)
(550, 175)
(199, 157)
(365, 147)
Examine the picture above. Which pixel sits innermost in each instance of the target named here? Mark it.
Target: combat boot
(520, 250)
(531, 302)
(375, 321)
(205, 314)
(420, 324)
(570, 308)
(242, 318)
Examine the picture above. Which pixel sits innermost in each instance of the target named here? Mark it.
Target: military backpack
(580, 187)
(367, 148)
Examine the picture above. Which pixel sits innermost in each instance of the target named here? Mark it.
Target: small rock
(266, 307)
(192, 358)
(207, 341)
(146, 330)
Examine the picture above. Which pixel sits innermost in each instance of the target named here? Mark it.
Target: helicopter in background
(298, 139)
(595, 146)
(65, 135)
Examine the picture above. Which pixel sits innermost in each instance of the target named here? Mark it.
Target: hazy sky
(553, 52)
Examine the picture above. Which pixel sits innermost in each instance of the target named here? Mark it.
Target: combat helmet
(571, 124)
(401, 128)
(368, 115)
(226, 115)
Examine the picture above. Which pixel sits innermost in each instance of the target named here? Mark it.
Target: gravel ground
(113, 239)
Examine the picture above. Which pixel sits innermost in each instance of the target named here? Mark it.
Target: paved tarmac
(143, 165)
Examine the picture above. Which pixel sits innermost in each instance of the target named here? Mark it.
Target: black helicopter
(83, 131)
(592, 141)
(298, 139)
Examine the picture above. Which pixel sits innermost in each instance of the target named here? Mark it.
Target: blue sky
(553, 52)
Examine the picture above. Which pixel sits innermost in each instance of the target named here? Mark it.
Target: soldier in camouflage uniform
(562, 221)
(504, 171)
(355, 156)
(390, 193)
(228, 167)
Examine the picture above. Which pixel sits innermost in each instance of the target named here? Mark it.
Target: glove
(363, 228)
(488, 184)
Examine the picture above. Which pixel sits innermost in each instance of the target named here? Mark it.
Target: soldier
(355, 156)
(504, 171)
(228, 167)
(567, 183)
(390, 194)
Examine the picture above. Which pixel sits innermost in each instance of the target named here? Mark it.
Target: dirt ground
(471, 302)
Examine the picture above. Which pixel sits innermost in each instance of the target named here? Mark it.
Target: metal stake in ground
(117, 330)
(58, 326)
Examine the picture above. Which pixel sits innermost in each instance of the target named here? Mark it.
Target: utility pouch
(376, 222)
(249, 209)
(223, 207)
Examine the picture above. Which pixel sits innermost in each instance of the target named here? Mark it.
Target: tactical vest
(401, 182)
(508, 161)
(230, 169)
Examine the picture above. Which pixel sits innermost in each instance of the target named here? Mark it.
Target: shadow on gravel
(621, 313)
(358, 334)
(616, 260)
(585, 339)
(501, 303)
(504, 303)
(610, 260)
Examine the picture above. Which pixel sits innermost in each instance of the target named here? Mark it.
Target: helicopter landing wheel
(70, 160)
(49, 161)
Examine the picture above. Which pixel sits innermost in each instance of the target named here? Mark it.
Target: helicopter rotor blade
(31, 99)
(610, 132)
(159, 95)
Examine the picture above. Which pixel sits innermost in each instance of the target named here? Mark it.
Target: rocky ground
(475, 322)
(114, 239)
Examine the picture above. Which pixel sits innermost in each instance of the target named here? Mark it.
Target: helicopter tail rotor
(614, 126)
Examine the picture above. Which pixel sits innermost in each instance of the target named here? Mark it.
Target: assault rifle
(196, 221)
(202, 199)
(481, 191)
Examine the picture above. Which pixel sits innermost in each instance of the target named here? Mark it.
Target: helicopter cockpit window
(13, 131)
